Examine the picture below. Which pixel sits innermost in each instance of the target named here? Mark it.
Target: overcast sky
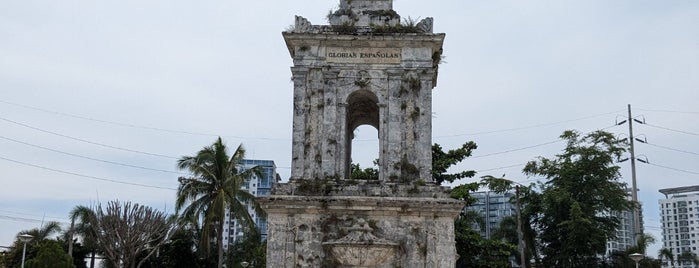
(90, 89)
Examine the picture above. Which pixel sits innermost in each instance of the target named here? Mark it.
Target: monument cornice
(397, 40)
(385, 206)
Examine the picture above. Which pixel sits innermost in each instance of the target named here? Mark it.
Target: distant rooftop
(679, 190)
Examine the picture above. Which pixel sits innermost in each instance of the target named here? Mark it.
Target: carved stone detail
(360, 248)
(425, 25)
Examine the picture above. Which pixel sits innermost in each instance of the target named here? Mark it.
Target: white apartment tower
(257, 186)
(625, 235)
(679, 218)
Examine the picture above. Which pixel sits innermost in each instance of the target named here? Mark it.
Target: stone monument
(368, 67)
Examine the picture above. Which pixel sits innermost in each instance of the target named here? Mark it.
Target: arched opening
(362, 110)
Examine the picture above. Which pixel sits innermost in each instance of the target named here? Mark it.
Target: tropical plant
(688, 257)
(80, 225)
(14, 257)
(214, 189)
(44, 232)
(666, 253)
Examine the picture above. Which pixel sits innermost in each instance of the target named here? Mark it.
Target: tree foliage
(50, 254)
(357, 173)
(179, 252)
(14, 256)
(442, 161)
(81, 226)
(666, 254)
(573, 212)
(475, 251)
(250, 249)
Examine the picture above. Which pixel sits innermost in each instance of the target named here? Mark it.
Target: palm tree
(42, 233)
(688, 256)
(213, 189)
(80, 223)
(666, 253)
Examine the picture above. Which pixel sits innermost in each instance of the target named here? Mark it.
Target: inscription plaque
(363, 55)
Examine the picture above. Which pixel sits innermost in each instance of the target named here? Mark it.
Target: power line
(527, 127)
(517, 149)
(674, 130)
(667, 111)
(86, 141)
(671, 149)
(19, 219)
(276, 139)
(86, 176)
(675, 169)
(498, 168)
(134, 125)
(93, 159)
(28, 214)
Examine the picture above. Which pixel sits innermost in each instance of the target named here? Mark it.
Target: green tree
(44, 232)
(442, 161)
(80, 225)
(14, 257)
(666, 253)
(476, 251)
(357, 173)
(577, 201)
(688, 257)
(50, 255)
(178, 252)
(214, 187)
(250, 249)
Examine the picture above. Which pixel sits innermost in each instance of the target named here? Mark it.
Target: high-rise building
(257, 186)
(625, 234)
(679, 218)
(493, 207)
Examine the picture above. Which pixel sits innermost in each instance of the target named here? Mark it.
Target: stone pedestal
(378, 230)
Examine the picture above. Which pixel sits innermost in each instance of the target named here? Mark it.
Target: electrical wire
(86, 141)
(19, 219)
(280, 139)
(671, 149)
(498, 168)
(527, 127)
(35, 215)
(86, 176)
(675, 169)
(673, 130)
(93, 159)
(134, 125)
(517, 149)
(667, 111)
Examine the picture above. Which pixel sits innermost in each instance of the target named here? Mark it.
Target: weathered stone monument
(366, 68)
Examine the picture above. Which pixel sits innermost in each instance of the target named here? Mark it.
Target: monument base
(328, 230)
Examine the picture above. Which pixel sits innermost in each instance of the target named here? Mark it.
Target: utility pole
(634, 189)
(520, 234)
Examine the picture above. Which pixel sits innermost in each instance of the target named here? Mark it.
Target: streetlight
(24, 238)
(244, 264)
(636, 257)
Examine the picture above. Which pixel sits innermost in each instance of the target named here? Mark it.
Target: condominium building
(679, 218)
(493, 207)
(625, 234)
(257, 186)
